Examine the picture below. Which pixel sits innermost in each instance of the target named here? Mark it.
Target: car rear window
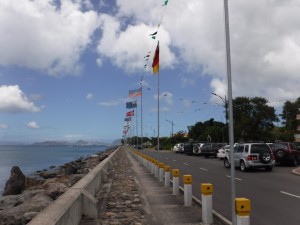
(259, 148)
(280, 146)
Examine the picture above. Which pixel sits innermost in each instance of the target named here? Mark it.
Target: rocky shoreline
(24, 197)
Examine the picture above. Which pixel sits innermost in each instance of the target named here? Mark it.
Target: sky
(66, 67)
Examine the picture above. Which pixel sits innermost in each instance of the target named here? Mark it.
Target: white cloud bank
(39, 35)
(12, 99)
(32, 125)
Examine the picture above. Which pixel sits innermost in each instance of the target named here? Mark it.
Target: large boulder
(16, 183)
(15, 215)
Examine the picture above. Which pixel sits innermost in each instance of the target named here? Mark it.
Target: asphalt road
(274, 196)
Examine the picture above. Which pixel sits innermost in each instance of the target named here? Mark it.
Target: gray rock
(27, 217)
(14, 215)
(16, 183)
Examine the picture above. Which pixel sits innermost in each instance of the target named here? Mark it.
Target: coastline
(44, 187)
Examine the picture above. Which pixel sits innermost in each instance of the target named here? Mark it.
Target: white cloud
(32, 125)
(127, 48)
(12, 99)
(265, 42)
(3, 126)
(89, 96)
(38, 35)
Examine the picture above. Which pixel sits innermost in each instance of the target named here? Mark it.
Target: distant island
(77, 143)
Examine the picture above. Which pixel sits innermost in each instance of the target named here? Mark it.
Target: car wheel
(294, 161)
(265, 157)
(226, 163)
(280, 154)
(243, 166)
(269, 168)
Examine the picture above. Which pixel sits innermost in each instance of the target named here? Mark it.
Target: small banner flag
(130, 113)
(130, 105)
(155, 64)
(128, 119)
(135, 92)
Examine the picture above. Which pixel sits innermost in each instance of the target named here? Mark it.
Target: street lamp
(172, 126)
(224, 100)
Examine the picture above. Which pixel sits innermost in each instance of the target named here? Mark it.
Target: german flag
(155, 64)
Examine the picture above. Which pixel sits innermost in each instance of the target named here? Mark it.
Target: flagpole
(158, 116)
(137, 128)
(142, 117)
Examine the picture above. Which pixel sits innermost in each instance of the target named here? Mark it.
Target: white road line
(286, 193)
(235, 178)
(174, 160)
(203, 169)
(186, 164)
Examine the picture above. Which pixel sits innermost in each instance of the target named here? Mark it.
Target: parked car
(286, 152)
(178, 148)
(251, 155)
(223, 151)
(188, 147)
(211, 149)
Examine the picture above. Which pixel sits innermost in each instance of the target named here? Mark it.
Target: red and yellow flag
(155, 64)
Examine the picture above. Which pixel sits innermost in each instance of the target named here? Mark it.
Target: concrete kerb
(77, 201)
(296, 171)
(217, 216)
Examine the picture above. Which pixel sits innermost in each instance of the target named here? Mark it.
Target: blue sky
(66, 67)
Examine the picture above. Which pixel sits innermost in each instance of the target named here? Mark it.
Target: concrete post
(175, 173)
(161, 172)
(167, 176)
(207, 214)
(187, 186)
(156, 168)
(242, 207)
(153, 166)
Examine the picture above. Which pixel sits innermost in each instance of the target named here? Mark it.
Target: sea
(31, 158)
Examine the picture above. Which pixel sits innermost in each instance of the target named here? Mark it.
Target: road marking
(286, 193)
(186, 164)
(202, 169)
(235, 178)
(174, 160)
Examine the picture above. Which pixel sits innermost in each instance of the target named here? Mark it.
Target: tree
(210, 128)
(253, 119)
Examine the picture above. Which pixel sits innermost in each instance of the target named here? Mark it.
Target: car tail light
(252, 157)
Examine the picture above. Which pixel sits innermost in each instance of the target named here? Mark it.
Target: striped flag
(155, 64)
(135, 92)
(130, 113)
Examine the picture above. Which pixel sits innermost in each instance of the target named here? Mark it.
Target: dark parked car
(286, 152)
(188, 147)
(211, 149)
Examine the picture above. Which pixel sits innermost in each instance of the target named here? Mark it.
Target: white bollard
(153, 166)
(242, 207)
(207, 214)
(161, 172)
(175, 173)
(167, 176)
(187, 186)
(156, 168)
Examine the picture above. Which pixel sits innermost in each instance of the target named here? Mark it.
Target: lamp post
(224, 100)
(172, 126)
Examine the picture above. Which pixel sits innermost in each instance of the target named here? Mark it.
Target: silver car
(251, 155)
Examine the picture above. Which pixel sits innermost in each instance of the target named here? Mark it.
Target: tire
(265, 157)
(280, 154)
(294, 161)
(269, 168)
(243, 166)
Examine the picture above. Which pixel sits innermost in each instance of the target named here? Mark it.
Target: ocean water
(31, 158)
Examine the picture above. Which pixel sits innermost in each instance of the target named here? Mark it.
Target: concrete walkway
(161, 206)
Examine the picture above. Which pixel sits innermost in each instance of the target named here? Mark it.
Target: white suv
(251, 155)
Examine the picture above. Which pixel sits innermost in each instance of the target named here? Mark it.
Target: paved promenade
(133, 196)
